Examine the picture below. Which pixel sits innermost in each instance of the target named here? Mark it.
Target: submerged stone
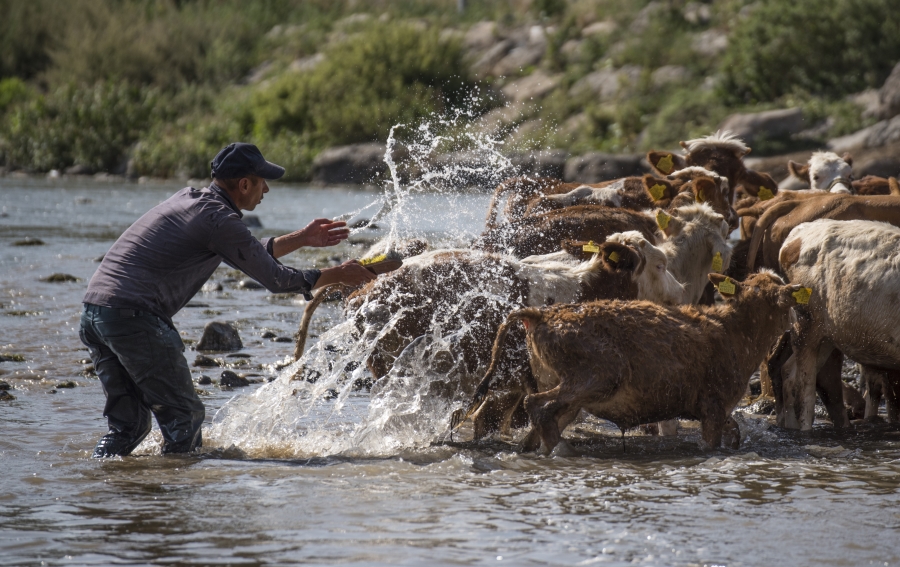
(204, 380)
(6, 396)
(60, 278)
(8, 357)
(232, 380)
(218, 336)
(4, 386)
(203, 361)
(29, 241)
(66, 384)
(268, 335)
(250, 284)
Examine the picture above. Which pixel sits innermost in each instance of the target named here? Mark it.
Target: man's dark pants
(140, 362)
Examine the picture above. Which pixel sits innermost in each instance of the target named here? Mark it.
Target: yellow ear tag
(614, 257)
(375, 260)
(765, 194)
(665, 164)
(802, 295)
(717, 262)
(662, 219)
(700, 197)
(591, 247)
(726, 287)
(657, 191)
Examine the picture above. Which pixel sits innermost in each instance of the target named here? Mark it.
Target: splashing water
(319, 405)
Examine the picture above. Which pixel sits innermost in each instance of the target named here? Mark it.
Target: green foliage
(828, 47)
(89, 126)
(13, 91)
(385, 75)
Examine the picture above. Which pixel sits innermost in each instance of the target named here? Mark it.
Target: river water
(411, 498)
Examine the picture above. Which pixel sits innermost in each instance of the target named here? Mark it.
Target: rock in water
(232, 380)
(6, 396)
(29, 241)
(66, 384)
(204, 380)
(218, 336)
(60, 278)
(250, 284)
(4, 386)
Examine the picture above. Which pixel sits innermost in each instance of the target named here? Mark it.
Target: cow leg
(731, 433)
(799, 386)
(829, 386)
(853, 401)
(873, 379)
(765, 383)
(711, 426)
(535, 405)
(495, 413)
(779, 361)
(891, 388)
(668, 427)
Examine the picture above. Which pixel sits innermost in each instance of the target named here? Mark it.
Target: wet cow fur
(852, 268)
(637, 362)
(473, 291)
(544, 234)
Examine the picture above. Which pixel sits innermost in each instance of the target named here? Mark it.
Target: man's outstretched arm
(319, 233)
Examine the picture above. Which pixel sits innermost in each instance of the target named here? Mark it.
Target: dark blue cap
(240, 160)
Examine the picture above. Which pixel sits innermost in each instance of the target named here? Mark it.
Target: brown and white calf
(634, 362)
(853, 269)
(825, 171)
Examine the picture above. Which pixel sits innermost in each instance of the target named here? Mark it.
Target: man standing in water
(156, 267)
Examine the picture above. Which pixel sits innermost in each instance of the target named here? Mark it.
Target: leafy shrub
(827, 47)
(388, 74)
(90, 126)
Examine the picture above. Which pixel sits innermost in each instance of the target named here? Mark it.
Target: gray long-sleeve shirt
(166, 256)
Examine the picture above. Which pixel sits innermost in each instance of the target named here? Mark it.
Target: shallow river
(815, 499)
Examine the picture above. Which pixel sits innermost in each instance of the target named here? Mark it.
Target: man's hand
(350, 273)
(324, 232)
(318, 233)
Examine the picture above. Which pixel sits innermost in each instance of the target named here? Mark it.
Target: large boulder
(534, 86)
(353, 164)
(883, 161)
(889, 95)
(596, 167)
(606, 84)
(875, 136)
(221, 337)
(771, 124)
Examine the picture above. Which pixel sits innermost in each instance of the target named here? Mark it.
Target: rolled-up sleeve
(232, 240)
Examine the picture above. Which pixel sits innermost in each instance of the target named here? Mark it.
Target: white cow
(853, 269)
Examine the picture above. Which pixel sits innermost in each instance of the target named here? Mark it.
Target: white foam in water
(325, 411)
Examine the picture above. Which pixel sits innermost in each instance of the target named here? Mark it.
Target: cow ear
(704, 189)
(847, 158)
(665, 163)
(660, 190)
(674, 226)
(726, 286)
(619, 257)
(753, 181)
(575, 248)
(799, 171)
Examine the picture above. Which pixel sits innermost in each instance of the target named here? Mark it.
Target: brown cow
(455, 290)
(776, 223)
(543, 234)
(636, 362)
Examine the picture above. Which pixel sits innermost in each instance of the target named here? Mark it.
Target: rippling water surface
(782, 498)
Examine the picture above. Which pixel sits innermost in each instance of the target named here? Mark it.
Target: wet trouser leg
(141, 365)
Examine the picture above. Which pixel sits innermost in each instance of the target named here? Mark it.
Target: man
(156, 267)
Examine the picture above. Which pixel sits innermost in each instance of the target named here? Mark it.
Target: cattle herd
(626, 300)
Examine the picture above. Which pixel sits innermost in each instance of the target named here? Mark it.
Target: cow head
(708, 187)
(655, 282)
(662, 191)
(825, 171)
(764, 284)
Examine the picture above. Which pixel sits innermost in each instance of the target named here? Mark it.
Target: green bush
(90, 126)
(388, 74)
(826, 47)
